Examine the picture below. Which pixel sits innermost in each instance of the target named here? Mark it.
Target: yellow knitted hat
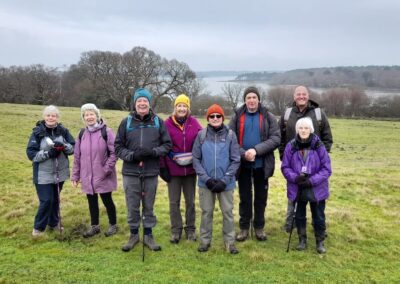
(182, 99)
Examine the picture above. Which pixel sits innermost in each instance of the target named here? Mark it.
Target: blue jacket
(317, 165)
(217, 157)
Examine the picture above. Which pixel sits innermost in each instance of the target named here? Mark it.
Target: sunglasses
(212, 116)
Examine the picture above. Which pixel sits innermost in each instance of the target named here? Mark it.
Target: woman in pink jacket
(94, 168)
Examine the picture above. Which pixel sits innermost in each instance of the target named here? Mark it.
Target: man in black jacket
(301, 107)
(141, 139)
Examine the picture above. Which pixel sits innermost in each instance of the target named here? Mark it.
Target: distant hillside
(364, 76)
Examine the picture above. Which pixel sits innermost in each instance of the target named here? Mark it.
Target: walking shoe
(302, 243)
(94, 230)
(243, 235)
(133, 240)
(56, 228)
(175, 238)
(320, 247)
(231, 248)
(191, 236)
(37, 233)
(151, 243)
(203, 247)
(112, 230)
(260, 235)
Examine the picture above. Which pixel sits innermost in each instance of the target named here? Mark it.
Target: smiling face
(142, 106)
(90, 118)
(251, 101)
(304, 131)
(215, 119)
(301, 97)
(181, 110)
(51, 119)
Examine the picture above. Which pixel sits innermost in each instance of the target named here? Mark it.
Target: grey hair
(51, 109)
(305, 121)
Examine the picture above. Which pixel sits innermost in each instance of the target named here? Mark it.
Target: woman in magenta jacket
(94, 168)
(177, 170)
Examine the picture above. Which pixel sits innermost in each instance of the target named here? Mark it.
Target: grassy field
(362, 217)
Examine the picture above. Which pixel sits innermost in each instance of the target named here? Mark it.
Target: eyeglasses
(212, 116)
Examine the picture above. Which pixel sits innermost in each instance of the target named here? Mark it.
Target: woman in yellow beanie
(177, 170)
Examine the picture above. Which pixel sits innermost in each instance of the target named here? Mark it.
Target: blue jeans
(317, 212)
(47, 213)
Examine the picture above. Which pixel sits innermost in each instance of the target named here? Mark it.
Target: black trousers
(94, 208)
(247, 178)
(317, 213)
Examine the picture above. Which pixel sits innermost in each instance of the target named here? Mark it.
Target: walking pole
(296, 201)
(141, 177)
(59, 200)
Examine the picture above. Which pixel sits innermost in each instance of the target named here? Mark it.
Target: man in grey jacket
(141, 139)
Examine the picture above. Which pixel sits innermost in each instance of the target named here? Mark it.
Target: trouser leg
(93, 208)
(189, 192)
(110, 207)
(150, 189)
(174, 195)
(207, 203)
(132, 189)
(226, 205)
(245, 194)
(260, 197)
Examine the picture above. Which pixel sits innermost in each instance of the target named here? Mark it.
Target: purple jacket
(182, 142)
(92, 167)
(318, 168)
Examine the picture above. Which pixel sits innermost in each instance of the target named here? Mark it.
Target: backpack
(103, 134)
(156, 124)
(203, 134)
(317, 115)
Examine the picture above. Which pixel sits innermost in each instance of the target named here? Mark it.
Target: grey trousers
(289, 215)
(207, 205)
(133, 198)
(177, 185)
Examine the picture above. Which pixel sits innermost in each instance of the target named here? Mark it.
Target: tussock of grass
(362, 219)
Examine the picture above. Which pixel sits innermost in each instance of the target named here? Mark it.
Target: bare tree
(233, 93)
(279, 98)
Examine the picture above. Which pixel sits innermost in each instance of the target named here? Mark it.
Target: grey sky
(208, 35)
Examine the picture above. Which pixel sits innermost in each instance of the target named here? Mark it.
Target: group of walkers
(181, 152)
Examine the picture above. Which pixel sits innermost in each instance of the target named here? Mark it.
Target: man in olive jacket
(141, 139)
(258, 135)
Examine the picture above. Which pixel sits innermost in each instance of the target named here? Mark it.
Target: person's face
(304, 131)
(142, 106)
(251, 101)
(90, 118)
(301, 96)
(51, 119)
(215, 120)
(181, 110)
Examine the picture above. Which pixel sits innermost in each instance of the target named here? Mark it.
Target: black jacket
(142, 133)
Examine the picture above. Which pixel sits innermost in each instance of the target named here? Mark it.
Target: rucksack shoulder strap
(81, 133)
(287, 114)
(203, 134)
(318, 114)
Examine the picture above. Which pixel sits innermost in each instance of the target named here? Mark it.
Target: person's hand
(219, 186)
(149, 152)
(300, 178)
(75, 183)
(305, 184)
(59, 146)
(210, 183)
(53, 153)
(165, 175)
(250, 155)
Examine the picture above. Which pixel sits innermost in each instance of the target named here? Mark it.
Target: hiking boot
(320, 247)
(203, 247)
(175, 238)
(94, 230)
(150, 243)
(231, 248)
(243, 235)
(37, 233)
(302, 232)
(191, 236)
(133, 240)
(260, 235)
(112, 230)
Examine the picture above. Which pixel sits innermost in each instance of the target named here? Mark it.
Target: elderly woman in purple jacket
(307, 167)
(177, 170)
(94, 168)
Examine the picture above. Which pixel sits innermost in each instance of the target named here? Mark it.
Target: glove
(219, 186)
(210, 183)
(59, 146)
(300, 178)
(149, 152)
(165, 175)
(305, 184)
(138, 155)
(53, 153)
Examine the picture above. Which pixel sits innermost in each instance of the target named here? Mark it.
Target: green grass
(362, 217)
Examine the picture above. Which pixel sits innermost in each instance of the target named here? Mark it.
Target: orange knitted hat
(215, 109)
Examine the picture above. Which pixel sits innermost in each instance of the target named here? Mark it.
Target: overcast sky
(207, 35)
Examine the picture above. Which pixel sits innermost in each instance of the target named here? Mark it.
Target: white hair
(90, 107)
(305, 121)
(51, 109)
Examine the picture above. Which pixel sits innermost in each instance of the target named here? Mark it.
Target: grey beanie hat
(249, 90)
(90, 107)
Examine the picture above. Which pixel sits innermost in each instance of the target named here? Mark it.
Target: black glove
(210, 183)
(219, 186)
(305, 184)
(138, 155)
(59, 146)
(165, 175)
(300, 178)
(53, 153)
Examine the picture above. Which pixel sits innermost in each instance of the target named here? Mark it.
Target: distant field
(362, 216)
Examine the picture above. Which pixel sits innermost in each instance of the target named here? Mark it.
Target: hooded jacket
(48, 170)
(94, 161)
(317, 166)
